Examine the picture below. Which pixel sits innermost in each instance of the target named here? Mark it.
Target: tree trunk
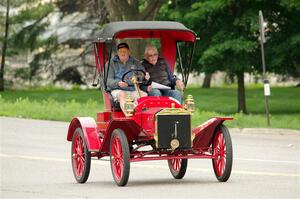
(137, 48)
(4, 48)
(128, 10)
(241, 93)
(207, 80)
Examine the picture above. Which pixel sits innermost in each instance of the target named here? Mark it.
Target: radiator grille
(166, 130)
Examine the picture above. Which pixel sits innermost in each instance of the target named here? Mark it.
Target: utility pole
(267, 91)
(4, 47)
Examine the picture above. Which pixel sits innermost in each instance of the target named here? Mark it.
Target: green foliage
(32, 25)
(32, 12)
(229, 33)
(291, 5)
(214, 58)
(49, 46)
(24, 35)
(225, 30)
(22, 73)
(285, 44)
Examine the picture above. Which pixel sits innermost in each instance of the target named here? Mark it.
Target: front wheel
(222, 150)
(178, 167)
(119, 157)
(81, 157)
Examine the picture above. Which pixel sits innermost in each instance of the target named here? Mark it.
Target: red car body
(114, 133)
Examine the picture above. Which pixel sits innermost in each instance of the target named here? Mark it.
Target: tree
(133, 10)
(25, 27)
(177, 10)
(4, 47)
(284, 40)
(229, 36)
(229, 42)
(77, 67)
(27, 38)
(207, 80)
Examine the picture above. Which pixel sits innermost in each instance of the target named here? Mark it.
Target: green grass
(57, 104)
(60, 105)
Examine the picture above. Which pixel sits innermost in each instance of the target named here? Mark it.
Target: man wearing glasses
(160, 73)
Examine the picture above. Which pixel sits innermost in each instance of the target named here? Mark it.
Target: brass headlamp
(190, 104)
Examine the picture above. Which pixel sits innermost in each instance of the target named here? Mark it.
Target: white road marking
(33, 157)
(138, 165)
(272, 161)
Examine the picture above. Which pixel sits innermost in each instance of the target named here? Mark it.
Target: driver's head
(123, 52)
(151, 54)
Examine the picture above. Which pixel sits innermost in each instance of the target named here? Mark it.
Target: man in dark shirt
(160, 72)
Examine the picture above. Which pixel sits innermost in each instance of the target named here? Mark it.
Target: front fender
(89, 128)
(204, 133)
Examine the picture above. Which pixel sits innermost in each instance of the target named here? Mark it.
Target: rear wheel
(119, 157)
(178, 167)
(81, 157)
(222, 149)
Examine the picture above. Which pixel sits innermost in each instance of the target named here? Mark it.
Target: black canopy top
(110, 30)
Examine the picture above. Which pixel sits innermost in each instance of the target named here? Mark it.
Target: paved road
(35, 163)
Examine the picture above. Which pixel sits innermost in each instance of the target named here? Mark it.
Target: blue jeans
(171, 93)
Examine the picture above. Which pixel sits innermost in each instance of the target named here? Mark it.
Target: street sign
(267, 87)
(262, 27)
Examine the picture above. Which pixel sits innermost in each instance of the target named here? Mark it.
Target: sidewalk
(264, 131)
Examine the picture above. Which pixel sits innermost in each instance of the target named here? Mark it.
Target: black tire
(81, 163)
(179, 172)
(119, 173)
(223, 163)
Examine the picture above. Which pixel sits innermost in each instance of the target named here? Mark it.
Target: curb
(232, 130)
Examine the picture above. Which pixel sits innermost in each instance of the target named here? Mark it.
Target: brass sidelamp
(128, 106)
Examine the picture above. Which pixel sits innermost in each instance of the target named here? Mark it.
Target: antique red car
(158, 128)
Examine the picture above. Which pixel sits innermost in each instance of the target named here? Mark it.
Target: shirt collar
(116, 58)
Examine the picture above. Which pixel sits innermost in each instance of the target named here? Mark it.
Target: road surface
(35, 163)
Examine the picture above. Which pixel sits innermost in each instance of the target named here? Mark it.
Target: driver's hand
(147, 76)
(149, 88)
(122, 84)
(180, 85)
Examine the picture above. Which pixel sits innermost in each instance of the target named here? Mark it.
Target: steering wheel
(140, 74)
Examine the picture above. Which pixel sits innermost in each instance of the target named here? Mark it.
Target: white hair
(148, 48)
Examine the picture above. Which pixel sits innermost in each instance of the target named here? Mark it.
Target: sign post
(267, 91)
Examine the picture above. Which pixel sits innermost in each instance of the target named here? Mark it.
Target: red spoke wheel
(222, 149)
(177, 167)
(119, 157)
(81, 157)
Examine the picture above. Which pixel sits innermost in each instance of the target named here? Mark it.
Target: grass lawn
(55, 104)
